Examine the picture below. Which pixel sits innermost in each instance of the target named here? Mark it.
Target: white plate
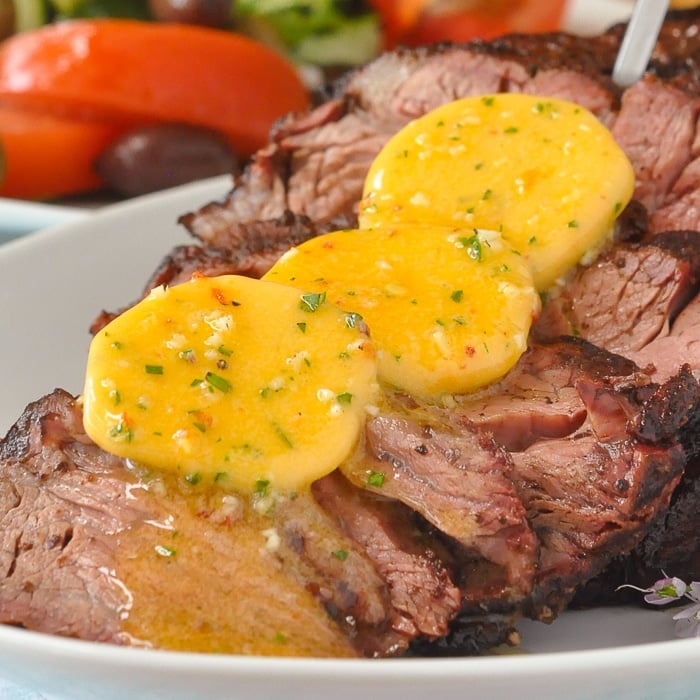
(18, 217)
(51, 286)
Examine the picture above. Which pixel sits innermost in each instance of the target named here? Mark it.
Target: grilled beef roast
(461, 533)
(579, 469)
(315, 163)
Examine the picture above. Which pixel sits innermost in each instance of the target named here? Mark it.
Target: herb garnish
(218, 382)
(669, 590)
(375, 479)
(473, 246)
(312, 300)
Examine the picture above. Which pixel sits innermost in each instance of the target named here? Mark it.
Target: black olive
(211, 13)
(7, 18)
(156, 157)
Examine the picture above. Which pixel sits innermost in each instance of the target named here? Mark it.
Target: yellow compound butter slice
(543, 171)
(448, 309)
(231, 379)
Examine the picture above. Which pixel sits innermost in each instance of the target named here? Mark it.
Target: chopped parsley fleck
(312, 300)
(117, 345)
(165, 551)
(121, 431)
(345, 397)
(511, 130)
(487, 194)
(154, 369)
(282, 435)
(488, 101)
(473, 246)
(375, 479)
(223, 350)
(218, 382)
(261, 487)
(194, 478)
(115, 396)
(302, 327)
(457, 295)
(352, 319)
(573, 224)
(341, 554)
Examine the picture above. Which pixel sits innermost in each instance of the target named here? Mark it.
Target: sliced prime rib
(423, 594)
(59, 526)
(92, 545)
(82, 532)
(461, 483)
(315, 163)
(673, 542)
(613, 479)
(628, 296)
(641, 300)
(93, 549)
(573, 459)
(657, 128)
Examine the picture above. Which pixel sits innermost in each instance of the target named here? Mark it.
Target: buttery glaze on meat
(94, 549)
(207, 579)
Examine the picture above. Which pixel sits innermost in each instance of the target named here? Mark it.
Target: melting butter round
(449, 310)
(545, 172)
(248, 383)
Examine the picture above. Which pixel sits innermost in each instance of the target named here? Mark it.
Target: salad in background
(133, 96)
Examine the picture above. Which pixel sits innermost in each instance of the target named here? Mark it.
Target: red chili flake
(469, 350)
(204, 419)
(218, 295)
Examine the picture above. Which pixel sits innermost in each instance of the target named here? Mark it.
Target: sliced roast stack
(575, 473)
